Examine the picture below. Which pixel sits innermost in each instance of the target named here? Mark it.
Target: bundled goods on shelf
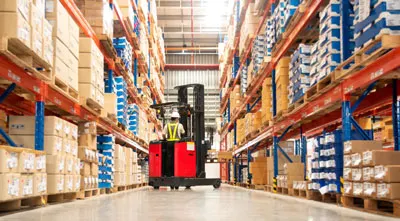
(282, 84)
(288, 147)
(300, 185)
(266, 101)
(22, 173)
(60, 146)
(240, 130)
(248, 29)
(235, 98)
(91, 73)
(121, 177)
(124, 51)
(259, 170)
(66, 45)
(314, 65)
(143, 125)
(25, 22)
(106, 149)
(133, 118)
(373, 19)
(330, 51)
(122, 99)
(144, 43)
(146, 95)
(110, 109)
(286, 9)
(144, 170)
(252, 122)
(293, 172)
(129, 15)
(383, 129)
(99, 15)
(243, 80)
(299, 72)
(88, 154)
(270, 33)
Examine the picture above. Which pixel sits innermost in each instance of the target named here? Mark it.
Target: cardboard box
(39, 184)
(119, 152)
(77, 166)
(100, 97)
(9, 160)
(87, 128)
(85, 169)
(55, 183)
(77, 183)
(87, 76)
(73, 31)
(26, 162)
(389, 191)
(368, 174)
(14, 25)
(48, 46)
(356, 159)
(69, 185)
(69, 165)
(281, 161)
(387, 174)
(87, 91)
(73, 74)
(356, 174)
(86, 155)
(67, 146)
(25, 125)
(94, 169)
(369, 189)
(55, 164)
(16, 6)
(119, 165)
(119, 179)
(358, 189)
(74, 148)
(110, 104)
(88, 140)
(359, 146)
(52, 144)
(295, 169)
(9, 186)
(381, 157)
(58, 18)
(26, 185)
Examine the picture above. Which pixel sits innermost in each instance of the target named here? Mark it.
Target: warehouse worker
(173, 130)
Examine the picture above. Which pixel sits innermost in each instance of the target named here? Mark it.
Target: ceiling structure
(210, 20)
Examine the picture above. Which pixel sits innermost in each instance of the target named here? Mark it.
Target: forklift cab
(181, 163)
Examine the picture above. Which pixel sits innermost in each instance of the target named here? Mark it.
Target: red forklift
(182, 163)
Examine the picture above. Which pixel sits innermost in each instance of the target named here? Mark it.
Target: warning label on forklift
(190, 146)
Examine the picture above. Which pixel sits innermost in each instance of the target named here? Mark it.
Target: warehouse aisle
(202, 203)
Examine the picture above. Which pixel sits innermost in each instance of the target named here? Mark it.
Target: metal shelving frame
(330, 109)
(46, 95)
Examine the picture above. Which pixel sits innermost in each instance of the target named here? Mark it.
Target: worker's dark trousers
(168, 150)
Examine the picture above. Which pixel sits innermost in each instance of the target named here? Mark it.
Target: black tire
(217, 185)
(172, 187)
(177, 187)
(156, 187)
(187, 187)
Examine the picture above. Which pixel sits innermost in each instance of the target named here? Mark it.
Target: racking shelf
(370, 91)
(58, 103)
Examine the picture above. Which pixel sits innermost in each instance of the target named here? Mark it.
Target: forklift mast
(198, 125)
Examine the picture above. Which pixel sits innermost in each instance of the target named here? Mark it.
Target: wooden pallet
(91, 105)
(17, 204)
(87, 193)
(268, 188)
(376, 206)
(279, 115)
(24, 57)
(300, 193)
(249, 38)
(108, 45)
(61, 197)
(326, 198)
(361, 59)
(256, 186)
(102, 191)
(298, 104)
(282, 190)
(62, 87)
(321, 87)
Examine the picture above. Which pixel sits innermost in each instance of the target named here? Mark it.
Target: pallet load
(383, 129)
(124, 52)
(133, 118)
(99, 15)
(135, 169)
(119, 166)
(91, 75)
(299, 72)
(60, 145)
(293, 172)
(143, 125)
(244, 83)
(241, 130)
(234, 98)
(88, 155)
(248, 29)
(66, 48)
(266, 102)
(288, 147)
(22, 175)
(282, 83)
(252, 123)
(258, 53)
(106, 149)
(259, 171)
(129, 166)
(122, 99)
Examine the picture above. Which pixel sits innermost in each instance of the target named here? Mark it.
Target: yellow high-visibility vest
(172, 134)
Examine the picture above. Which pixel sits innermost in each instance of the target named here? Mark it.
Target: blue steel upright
(39, 124)
(395, 115)
(135, 71)
(275, 152)
(110, 82)
(274, 108)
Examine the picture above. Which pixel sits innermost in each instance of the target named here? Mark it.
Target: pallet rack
(338, 105)
(48, 98)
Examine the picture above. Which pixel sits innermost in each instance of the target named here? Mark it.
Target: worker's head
(175, 116)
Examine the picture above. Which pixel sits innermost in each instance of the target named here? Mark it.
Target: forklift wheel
(172, 187)
(156, 187)
(187, 187)
(217, 185)
(177, 187)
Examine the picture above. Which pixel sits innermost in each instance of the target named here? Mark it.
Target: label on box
(42, 187)
(70, 164)
(58, 126)
(75, 133)
(369, 189)
(61, 165)
(13, 187)
(393, 20)
(23, 33)
(28, 187)
(58, 145)
(392, 5)
(78, 184)
(368, 173)
(70, 184)
(357, 189)
(40, 162)
(346, 173)
(380, 172)
(367, 157)
(190, 146)
(356, 174)
(347, 147)
(382, 189)
(78, 166)
(12, 160)
(67, 129)
(347, 186)
(347, 160)
(356, 159)
(29, 163)
(60, 184)
(67, 147)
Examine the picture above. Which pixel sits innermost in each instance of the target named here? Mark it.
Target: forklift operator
(174, 130)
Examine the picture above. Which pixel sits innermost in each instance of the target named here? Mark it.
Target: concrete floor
(201, 203)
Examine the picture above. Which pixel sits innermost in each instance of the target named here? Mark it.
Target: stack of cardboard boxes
(282, 83)
(120, 165)
(22, 173)
(66, 44)
(266, 101)
(293, 173)
(60, 145)
(240, 130)
(252, 122)
(249, 26)
(91, 73)
(354, 173)
(259, 170)
(87, 153)
(234, 98)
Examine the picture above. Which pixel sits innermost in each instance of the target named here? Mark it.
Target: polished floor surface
(201, 203)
